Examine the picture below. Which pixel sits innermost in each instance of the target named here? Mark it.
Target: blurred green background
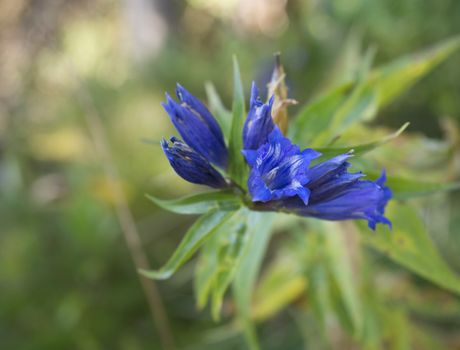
(67, 278)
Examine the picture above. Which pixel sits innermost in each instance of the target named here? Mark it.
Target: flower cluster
(281, 175)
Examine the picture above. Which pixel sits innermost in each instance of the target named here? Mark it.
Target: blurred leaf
(372, 328)
(348, 59)
(281, 284)
(403, 188)
(315, 116)
(361, 104)
(237, 167)
(424, 339)
(203, 229)
(258, 235)
(396, 77)
(409, 245)
(200, 203)
(354, 100)
(359, 150)
(218, 110)
(339, 256)
(219, 260)
(396, 330)
(318, 294)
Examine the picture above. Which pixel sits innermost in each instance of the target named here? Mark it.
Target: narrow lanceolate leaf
(238, 167)
(219, 260)
(403, 188)
(229, 262)
(203, 229)
(282, 283)
(360, 104)
(218, 110)
(381, 87)
(316, 116)
(340, 257)
(394, 78)
(359, 150)
(409, 245)
(200, 203)
(248, 269)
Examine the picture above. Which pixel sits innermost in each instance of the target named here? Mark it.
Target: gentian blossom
(281, 176)
(197, 126)
(282, 179)
(204, 142)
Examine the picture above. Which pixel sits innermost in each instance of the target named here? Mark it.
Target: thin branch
(123, 213)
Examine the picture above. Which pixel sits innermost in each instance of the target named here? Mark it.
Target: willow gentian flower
(282, 180)
(191, 165)
(281, 176)
(204, 142)
(259, 123)
(198, 128)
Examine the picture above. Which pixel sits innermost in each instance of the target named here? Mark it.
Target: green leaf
(218, 110)
(200, 203)
(318, 293)
(219, 260)
(237, 167)
(246, 275)
(403, 188)
(228, 263)
(361, 104)
(355, 100)
(394, 78)
(203, 229)
(359, 150)
(409, 245)
(397, 329)
(315, 116)
(339, 256)
(282, 283)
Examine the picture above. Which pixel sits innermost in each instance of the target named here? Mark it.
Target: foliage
(327, 272)
(67, 279)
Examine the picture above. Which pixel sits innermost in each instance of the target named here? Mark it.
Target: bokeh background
(67, 280)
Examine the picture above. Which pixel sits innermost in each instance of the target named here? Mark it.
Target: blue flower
(198, 128)
(259, 123)
(279, 169)
(191, 165)
(282, 179)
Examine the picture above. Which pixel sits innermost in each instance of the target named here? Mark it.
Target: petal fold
(190, 165)
(279, 170)
(198, 128)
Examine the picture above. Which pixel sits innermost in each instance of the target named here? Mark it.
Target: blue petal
(323, 171)
(195, 104)
(344, 198)
(250, 156)
(279, 169)
(197, 126)
(259, 123)
(334, 186)
(190, 165)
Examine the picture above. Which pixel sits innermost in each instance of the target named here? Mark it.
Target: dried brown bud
(277, 87)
